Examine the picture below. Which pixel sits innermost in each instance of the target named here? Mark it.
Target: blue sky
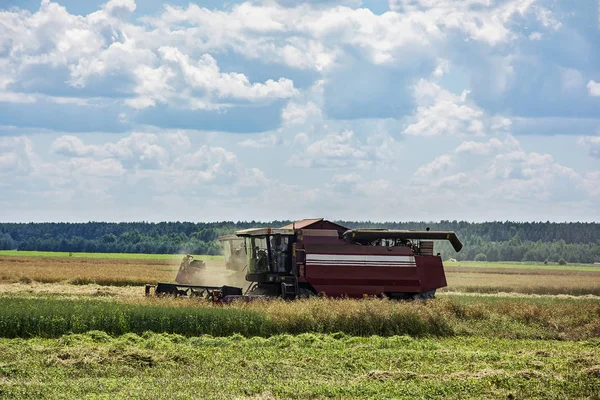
(403, 110)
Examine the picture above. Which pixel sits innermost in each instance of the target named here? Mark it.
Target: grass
(453, 316)
(306, 366)
(119, 256)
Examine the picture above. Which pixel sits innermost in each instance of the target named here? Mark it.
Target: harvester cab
(269, 254)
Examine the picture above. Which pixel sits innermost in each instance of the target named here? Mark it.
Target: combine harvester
(318, 257)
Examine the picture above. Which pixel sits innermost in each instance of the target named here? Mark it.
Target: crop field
(119, 256)
(80, 327)
(103, 271)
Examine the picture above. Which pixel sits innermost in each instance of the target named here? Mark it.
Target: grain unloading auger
(319, 257)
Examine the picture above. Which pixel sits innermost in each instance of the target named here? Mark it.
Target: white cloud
(347, 178)
(593, 145)
(166, 162)
(301, 139)
(571, 79)
(592, 183)
(502, 168)
(443, 67)
(492, 145)
(17, 156)
(139, 148)
(535, 36)
(334, 150)
(119, 6)
(264, 141)
(435, 167)
(440, 112)
(481, 20)
(294, 113)
(593, 88)
(69, 145)
(177, 141)
(205, 74)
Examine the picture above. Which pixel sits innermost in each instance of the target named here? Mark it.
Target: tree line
(494, 241)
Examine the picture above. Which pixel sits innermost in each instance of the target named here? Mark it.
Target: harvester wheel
(305, 293)
(424, 295)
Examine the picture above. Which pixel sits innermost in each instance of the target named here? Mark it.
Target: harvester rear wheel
(430, 294)
(425, 295)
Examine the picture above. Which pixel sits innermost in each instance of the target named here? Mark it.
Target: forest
(567, 242)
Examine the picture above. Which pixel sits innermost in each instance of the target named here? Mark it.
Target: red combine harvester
(313, 257)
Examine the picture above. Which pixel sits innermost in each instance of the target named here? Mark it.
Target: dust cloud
(214, 273)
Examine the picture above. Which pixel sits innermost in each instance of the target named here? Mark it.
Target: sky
(476, 110)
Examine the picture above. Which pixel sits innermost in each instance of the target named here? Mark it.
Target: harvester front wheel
(305, 293)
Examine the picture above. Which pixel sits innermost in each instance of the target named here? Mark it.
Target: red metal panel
(339, 268)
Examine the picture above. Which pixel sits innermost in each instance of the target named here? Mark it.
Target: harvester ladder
(289, 289)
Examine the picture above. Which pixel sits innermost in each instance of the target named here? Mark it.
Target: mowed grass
(306, 366)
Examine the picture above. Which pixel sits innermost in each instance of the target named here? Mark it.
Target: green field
(122, 256)
(59, 339)
(95, 365)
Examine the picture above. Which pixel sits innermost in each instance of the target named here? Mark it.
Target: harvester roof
(315, 223)
(265, 231)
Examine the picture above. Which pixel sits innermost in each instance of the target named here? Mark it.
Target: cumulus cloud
(593, 88)
(593, 145)
(500, 167)
(205, 74)
(440, 164)
(334, 150)
(263, 141)
(17, 156)
(440, 112)
(295, 113)
(167, 160)
(492, 145)
(138, 148)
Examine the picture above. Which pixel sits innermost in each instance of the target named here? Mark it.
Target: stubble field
(78, 327)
